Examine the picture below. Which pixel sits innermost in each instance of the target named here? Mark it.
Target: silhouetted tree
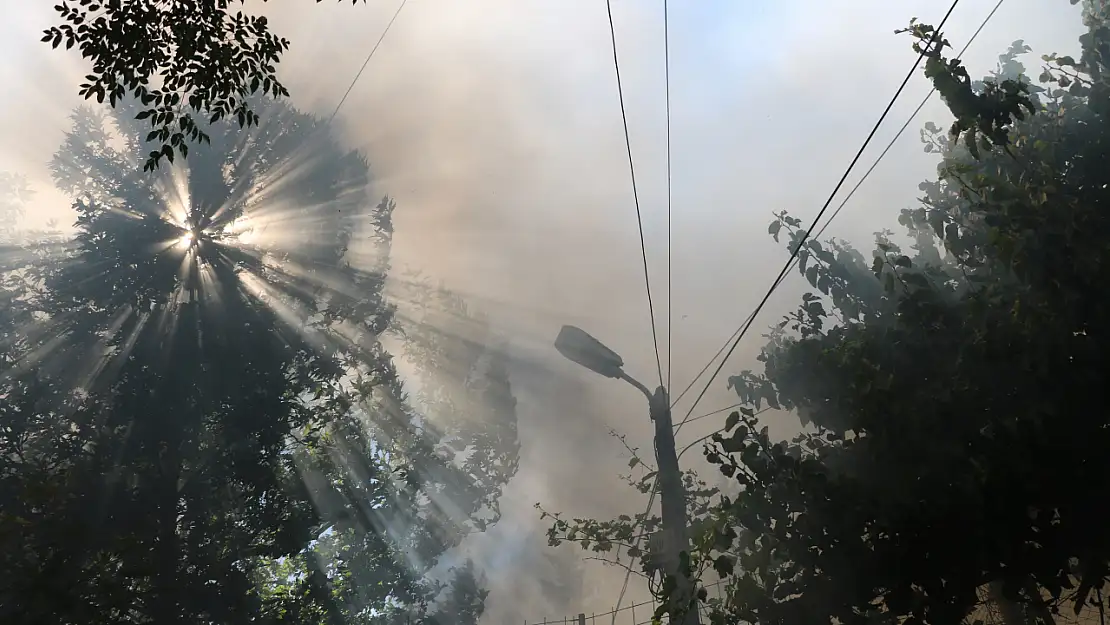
(943, 396)
(201, 423)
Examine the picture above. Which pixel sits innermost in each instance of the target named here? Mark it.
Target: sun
(187, 239)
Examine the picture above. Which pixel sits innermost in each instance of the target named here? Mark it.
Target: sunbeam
(219, 325)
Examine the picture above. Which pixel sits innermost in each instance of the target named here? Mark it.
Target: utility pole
(672, 497)
(578, 346)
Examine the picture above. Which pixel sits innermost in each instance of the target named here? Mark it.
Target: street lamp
(578, 346)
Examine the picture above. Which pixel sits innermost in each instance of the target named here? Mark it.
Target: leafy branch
(180, 58)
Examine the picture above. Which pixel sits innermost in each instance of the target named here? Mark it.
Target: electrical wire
(628, 573)
(654, 492)
(670, 308)
(670, 272)
(717, 431)
(709, 364)
(715, 412)
(906, 125)
(851, 193)
(635, 191)
(366, 62)
(806, 235)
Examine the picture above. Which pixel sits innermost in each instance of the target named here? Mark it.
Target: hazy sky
(496, 125)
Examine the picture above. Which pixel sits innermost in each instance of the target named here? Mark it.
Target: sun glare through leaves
(211, 340)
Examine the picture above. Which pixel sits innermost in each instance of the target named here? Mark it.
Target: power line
(636, 544)
(670, 273)
(793, 261)
(670, 300)
(635, 192)
(674, 402)
(906, 125)
(851, 193)
(805, 236)
(715, 412)
(719, 430)
(367, 61)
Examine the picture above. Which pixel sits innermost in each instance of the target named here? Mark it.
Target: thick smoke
(496, 125)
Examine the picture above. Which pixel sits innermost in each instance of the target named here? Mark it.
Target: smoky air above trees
(495, 130)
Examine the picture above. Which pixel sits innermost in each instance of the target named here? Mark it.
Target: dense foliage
(180, 58)
(954, 452)
(955, 447)
(201, 423)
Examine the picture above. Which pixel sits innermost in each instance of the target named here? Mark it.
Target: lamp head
(578, 346)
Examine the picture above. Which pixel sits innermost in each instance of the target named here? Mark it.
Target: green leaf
(877, 266)
(774, 229)
(724, 565)
(732, 421)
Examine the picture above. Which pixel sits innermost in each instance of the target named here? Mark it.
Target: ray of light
(174, 196)
(113, 364)
(261, 247)
(102, 353)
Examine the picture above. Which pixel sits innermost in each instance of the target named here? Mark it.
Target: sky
(497, 127)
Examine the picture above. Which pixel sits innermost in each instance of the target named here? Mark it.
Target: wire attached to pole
(806, 235)
(670, 272)
(635, 191)
(851, 193)
(667, 382)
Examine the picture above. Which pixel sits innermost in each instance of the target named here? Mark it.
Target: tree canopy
(951, 392)
(185, 61)
(201, 423)
(953, 451)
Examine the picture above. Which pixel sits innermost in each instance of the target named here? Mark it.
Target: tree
(184, 60)
(201, 422)
(941, 395)
(636, 535)
(939, 385)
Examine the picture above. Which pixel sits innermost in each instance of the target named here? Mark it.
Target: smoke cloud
(497, 127)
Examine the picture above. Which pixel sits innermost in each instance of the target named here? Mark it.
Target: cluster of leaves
(178, 58)
(213, 431)
(953, 452)
(636, 536)
(954, 448)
